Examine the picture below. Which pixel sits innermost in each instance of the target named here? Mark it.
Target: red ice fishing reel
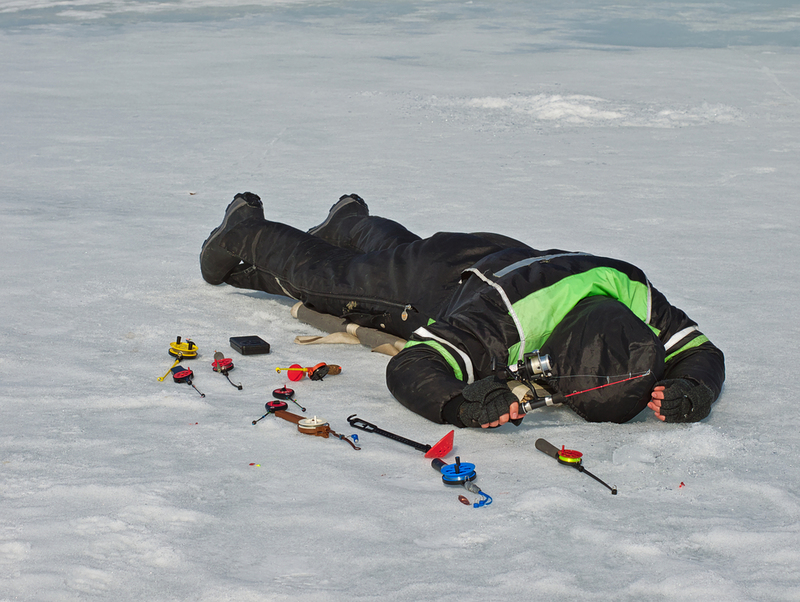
(285, 393)
(569, 456)
(184, 375)
(281, 396)
(296, 372)
(223, 365)
(272, 406)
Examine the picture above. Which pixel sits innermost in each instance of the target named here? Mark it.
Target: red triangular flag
(442, 448)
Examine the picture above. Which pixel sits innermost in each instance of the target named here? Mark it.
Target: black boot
(215, 262)
(335, 229)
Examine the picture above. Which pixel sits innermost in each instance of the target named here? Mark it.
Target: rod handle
(437, 464)
(545, 446)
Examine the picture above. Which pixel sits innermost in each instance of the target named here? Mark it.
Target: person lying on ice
(468, 303)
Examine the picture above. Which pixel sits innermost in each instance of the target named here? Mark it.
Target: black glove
(485, 401)
(685, 400)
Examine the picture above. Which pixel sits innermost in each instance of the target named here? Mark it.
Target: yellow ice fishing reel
(183, 349)
(180, 350)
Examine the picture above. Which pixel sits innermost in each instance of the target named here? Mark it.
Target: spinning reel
(531, 366)
(531, 371)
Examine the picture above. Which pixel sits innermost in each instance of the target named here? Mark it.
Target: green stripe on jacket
(449, 358)
(695, 342)
(541, 311)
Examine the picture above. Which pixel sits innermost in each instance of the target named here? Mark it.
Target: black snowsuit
(461, 300)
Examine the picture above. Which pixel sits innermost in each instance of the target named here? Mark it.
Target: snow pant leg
(276, 256)
(505, 242)
(366, 233)
(372, 288)
(375, 233)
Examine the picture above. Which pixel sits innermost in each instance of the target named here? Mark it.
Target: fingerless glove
(485, 401)
(685, 400)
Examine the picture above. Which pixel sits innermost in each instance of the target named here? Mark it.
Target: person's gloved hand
(681, 400)
(485, 401)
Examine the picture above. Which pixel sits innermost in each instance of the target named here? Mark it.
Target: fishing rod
(272, 407)
(555, 399)
(184, 375)
(569, 457)
(285, 393)
(531, 371)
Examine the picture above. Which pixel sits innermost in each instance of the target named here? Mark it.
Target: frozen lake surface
(667, 136)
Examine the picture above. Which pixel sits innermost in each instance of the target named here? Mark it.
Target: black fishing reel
(532, 366)
(531, 371)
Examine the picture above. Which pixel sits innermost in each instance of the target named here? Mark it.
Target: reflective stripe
(695, 342)
(523, 262)
(678, 337)
(544, 308)
(424, 332)
(531, 260)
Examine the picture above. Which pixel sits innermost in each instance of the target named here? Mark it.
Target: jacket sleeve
(689, 353)
(421, 379)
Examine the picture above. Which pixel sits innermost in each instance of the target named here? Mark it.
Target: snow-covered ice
(666, 135)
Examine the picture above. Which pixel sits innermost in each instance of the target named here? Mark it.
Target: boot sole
(235, 205)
